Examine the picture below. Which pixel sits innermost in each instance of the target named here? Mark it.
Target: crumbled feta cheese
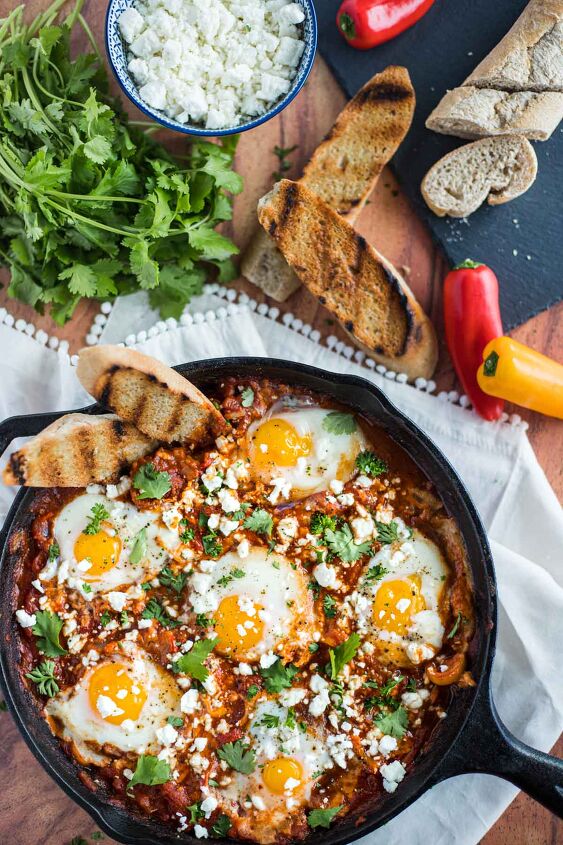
(290, 697)
(25, 619)
(412, 700)
(144, 623)
(208, 805)
(131, 24)
(189, 702)
(363, 481)
(166, 735)
(336, 486)
(227, 526)
(267, 660)
(117, 601)
(107, 707)
(199, 743)
(346, 500)
(243, 549)
(392, 774)
(200, 832)
(326, 576)
(258, 802)
(387, 744)
(362, 528)
(282, 487)
(229, 502)
(288, 528)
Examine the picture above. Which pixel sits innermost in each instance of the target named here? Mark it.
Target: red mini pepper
(472, 319)
(367, 23)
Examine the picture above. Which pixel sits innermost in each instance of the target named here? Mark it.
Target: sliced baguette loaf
(530, 56)
(159, 401)
(493, 169)
(470, 112)
(343, 168)
(350, 278)
(77, 450)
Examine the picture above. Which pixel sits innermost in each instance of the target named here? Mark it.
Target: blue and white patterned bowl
(117, 56)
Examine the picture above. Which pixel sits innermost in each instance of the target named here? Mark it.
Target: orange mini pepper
(521, 375)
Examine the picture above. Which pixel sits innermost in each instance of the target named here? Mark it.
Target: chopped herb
(230, 576)
(341, 543)
(384, 699)
(276, 564)
(238, 756)
(173, 582)
(455, 627)
(369, 464)
(105, 619)
(146, 586)
(313, 647)
(124, 618)
(44, 676)
(175, 721)
(270, 721)
(192, 663)
(322, 818)
(139, 548)
(213, 782)
(284, 165)
(150, 483)
(329, 606)
(97, 835)
(387, 532)
(211, 544)
(203, 621)
(252, 690)
(259, 521)
(375, 573)
(86, 588)
(277, 676)
(411, 685)
(99, 513)
(247, 400)
(221, 826)
(195, 811)
(47, 629)
(341, 655)
(320, 522)
(315, 588)
(54, 552)
(187, 534)
(154, 610)
(241, 513)
(3, 706)
(394, 723)
(339, 422)
(151, 771)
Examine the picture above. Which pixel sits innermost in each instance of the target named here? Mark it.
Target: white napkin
(496, 462)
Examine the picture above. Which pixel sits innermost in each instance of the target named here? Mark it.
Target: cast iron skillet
(471, 739)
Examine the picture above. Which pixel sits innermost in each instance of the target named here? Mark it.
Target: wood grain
(43, 814)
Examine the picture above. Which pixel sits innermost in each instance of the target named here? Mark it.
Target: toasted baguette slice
(159, 401)
(493, 169)
(343, 168)
(530, 56)
(77, 450)
(469, 112)
(350, 278)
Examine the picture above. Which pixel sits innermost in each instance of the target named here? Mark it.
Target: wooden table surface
(33, 809)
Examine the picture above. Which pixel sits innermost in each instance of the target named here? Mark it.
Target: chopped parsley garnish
(259, 521)
(455, 626)
(86, 588)
(329, 606)
(320, 522)
(394, 723)
(192, 663)
(322, 818)
(124, 618)
(105, 619)
(150, 483)
(151, 771)
(139, 547)
(252, 690)
(212, 546)
(247, 400)
(341, 655)
(375, 573)
(238, 756)
(173, 582)
(315, 588)
(47, 629)
(44, 677)
(175, 721)
(384, 698)
(230, 576)
(54, 552)
(99, 513)
(369, 464)
(341, 544)
(221, 826)
(277, 676)
(146, 586)
(203, 621)
(387, 532)
(269, 720)
(313, 647)
(195, 811)
(154, 610)
(188, 532)
(339, 422)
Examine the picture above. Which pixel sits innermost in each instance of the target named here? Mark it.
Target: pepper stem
(490, 364)
(347, 25)
(468, 264)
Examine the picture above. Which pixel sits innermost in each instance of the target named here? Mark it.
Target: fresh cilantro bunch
(90, 205)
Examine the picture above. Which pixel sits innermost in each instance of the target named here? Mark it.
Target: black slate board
(521, 240)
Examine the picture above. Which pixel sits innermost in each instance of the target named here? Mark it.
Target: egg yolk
(112, 681)
(100, 549)
(276, 773)
(277, 442)
(237, 630)
(396, 602)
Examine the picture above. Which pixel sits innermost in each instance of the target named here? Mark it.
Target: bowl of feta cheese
(211, 67)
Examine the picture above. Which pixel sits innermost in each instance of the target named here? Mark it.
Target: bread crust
(350, 278)
(166, 406)
(343, 169)
(76, 450)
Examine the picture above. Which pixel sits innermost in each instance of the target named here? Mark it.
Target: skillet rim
(203, 371)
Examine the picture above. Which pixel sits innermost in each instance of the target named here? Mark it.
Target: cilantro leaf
(139, 548)
(252, 690)
(341, 543)
(195, 811)
(47, 629)
(98, 149)
(341, 655)
(329, 606)
(387, 532)
(175, 721)
(192, 663)
(322, 818)
(277, 676)
(154, 610)
(247, 399)
(339, 422)
(221, 826)
(99, 513)
(259, 521)
(54, 552)
(174, 582)
(320, 522)
(369, 464)
(375, 573)
(44, 676)
(150, 483)
(150, 771)
(238, 756)
(394, 723)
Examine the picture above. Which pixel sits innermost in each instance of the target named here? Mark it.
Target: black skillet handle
(25, 425)
(487, 746)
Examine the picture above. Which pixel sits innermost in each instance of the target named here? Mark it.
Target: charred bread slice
(343, 169)
(160, 402)
(77, 450)
(350, 278)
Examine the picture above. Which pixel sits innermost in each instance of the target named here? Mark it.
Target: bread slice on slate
(530, 56)
(76, 450)
(160, 402)
(343, 168)
(350, 278)
(493, 169)
(470, 112)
